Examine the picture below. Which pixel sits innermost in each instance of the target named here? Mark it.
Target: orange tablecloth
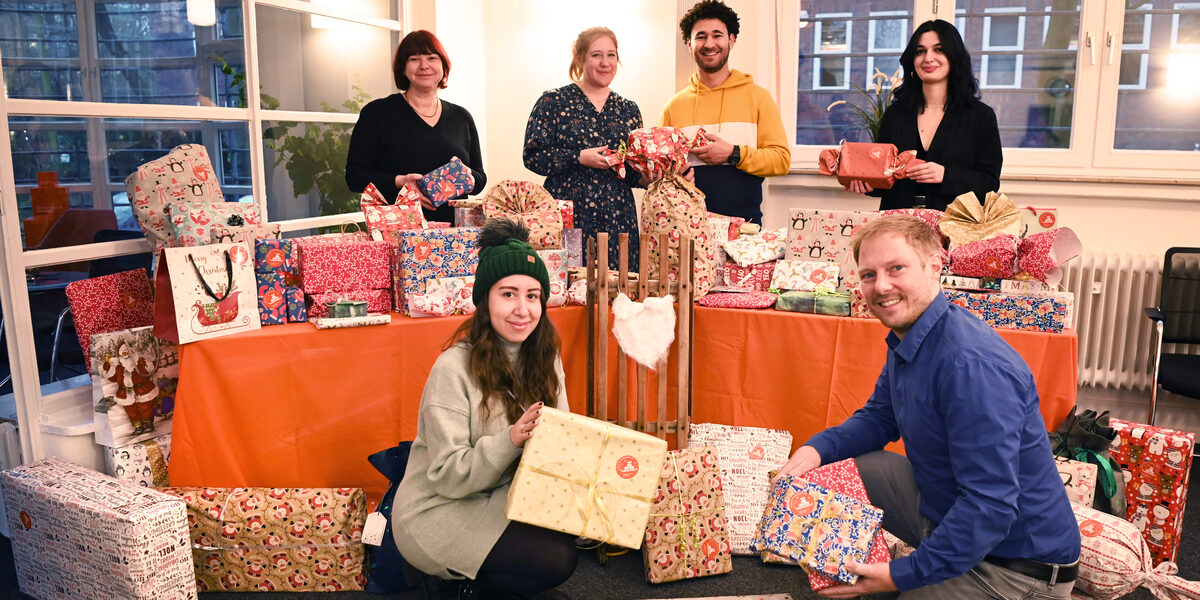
(290, 406)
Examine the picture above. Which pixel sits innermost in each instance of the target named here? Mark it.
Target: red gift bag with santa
(134, 377)
(204, 292)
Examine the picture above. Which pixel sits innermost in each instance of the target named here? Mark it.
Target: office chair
(1177, 321)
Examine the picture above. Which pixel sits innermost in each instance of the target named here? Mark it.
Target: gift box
(348, 322)
(959, 282)
(276, 539)
(674, 206)
(1010, 311)
(994, 257)
(756, 277)
(448, 181)
(443, 297)
(378, 301)
(135, 375)
(272, 305)
(109, 303)
(967, 220)
(859, 308)
(530, 205)
(383, 219)
(1065, 297)
(816, 527)
(567, 209)
(821, 303)
(423, 255)
(805, 275)
(1157, 462)
(556, 267)
(747, 454)
(724, 228)
(343, 263)
(1079, 479)
(143, 463)
(1114, 561)
(738, 299)
(587, 477)
(296, 309)
(573, 243)
(273, 256)
(817, 234)
(77, 533)
(687, 534)
(230, 234)
(184, 173)
(1019, 286)
(191, 222)
(878, 165)
(765, 246)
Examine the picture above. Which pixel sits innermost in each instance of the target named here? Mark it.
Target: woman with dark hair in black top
(937, 112)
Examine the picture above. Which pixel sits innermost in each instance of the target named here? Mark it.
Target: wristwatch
(734, 156)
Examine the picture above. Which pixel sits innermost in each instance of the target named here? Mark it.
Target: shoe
(436, 588)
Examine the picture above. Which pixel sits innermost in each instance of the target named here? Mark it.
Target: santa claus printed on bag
(129, 382)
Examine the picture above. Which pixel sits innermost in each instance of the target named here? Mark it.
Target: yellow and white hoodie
(744, 114)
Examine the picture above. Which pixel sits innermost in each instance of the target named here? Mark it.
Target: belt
(1049, 573)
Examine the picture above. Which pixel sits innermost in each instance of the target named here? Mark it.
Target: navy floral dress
(562, 123)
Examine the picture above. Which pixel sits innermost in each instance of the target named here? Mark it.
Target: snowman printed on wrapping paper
(1156, 537)
(1156, 444)
(1145, 492)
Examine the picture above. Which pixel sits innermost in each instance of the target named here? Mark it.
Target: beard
(715, 68)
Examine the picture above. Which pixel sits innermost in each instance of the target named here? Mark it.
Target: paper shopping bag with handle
(205, 291)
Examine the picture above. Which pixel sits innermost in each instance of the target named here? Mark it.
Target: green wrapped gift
(796, 301)
(821, 303)
(347, 308)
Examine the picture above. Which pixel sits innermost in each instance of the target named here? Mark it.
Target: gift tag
(374, 528)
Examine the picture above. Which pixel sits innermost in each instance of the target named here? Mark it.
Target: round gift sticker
(1047, 219)
(128, 299)
(274, 258)
(710, 548)
(26, 520)
(801, 504)
(1090, 528)
(272, 299)
(757, 453)
(627, 467)
(238, 254)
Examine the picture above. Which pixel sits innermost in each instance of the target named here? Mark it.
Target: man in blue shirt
(978, 494)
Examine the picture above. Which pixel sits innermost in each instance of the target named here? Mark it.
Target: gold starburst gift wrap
(968, 220)
(587, 477)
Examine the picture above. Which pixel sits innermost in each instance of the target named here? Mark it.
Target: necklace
(437, 105)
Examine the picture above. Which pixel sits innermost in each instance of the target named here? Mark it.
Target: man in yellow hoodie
(739, 118)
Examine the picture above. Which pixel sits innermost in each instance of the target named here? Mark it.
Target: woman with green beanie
(481, 404)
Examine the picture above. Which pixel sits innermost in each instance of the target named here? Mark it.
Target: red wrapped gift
(567, 209)
(1157, 462)
(654, 151)
(1040, 254)
(738, 300)
(754, 277)
(343, 262)
(383, 218)
(990, 257)
(109, 303)
(878, 165)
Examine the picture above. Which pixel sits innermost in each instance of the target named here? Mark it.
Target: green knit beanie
(513, 257)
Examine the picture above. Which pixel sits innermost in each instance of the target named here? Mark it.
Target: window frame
(874, 53)
(843, 54)
(989, 50)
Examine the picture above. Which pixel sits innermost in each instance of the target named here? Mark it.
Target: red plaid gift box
(342, 262)
(1157, 462)
(754, 277)
(878, 165)
(995, 256)
(1040, 254)
(109, 303)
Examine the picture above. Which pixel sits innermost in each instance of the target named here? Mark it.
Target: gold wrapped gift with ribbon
(530, 205)
(966, 220)
(588, 478)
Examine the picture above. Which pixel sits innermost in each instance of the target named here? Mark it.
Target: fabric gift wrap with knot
(653, 151)
(674, 206)
(588, 478)
(877, 165)
(1115, 561)
(687, 534)
(967, 220)
(821, 529)
(753, 299)
(276, 539)
(446, 182)
(995, 257)
(1040, 255)
(185, 173)
(383, 218)
(192, 222)
(109, 303)
(805, 275)
(1157, 462)
(529, 204)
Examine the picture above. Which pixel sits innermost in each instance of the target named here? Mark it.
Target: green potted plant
(877, 97)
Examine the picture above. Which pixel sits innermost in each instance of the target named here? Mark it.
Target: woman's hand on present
(872, 578)
(593, 157)
(927, 172)
(522, 430)
(859, 187)
(413, 178)
(803, 460)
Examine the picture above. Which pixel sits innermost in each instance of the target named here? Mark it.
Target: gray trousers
(889, 481)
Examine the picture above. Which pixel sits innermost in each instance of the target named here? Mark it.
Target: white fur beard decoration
(645, 330)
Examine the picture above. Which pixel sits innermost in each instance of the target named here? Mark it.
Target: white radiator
(1115, 336)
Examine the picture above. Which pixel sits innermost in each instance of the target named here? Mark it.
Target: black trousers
(527, 560)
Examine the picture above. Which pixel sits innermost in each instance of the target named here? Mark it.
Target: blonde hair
(581, 45)
(923, 238)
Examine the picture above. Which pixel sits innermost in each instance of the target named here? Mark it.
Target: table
(289, 406)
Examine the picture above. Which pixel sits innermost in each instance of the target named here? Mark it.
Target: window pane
(40, 45)
(1156, 98)
(1026, 65)
(309, 174)
(309, 68)
(1188, 25)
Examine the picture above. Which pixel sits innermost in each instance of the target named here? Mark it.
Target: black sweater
(390, 139)
(967, 143)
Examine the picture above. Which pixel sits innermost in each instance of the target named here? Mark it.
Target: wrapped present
(143, 463)
(724, 228)
(1010, 311)
(757, 277)
(577, 293)
(817, 234)
(1023, 286)
(185, 173)
(1065, 297)
(556, 266)
(229, 234)
(448, 181)
(1038, 220)
(273, 256)
(443, 297)
(805, 275)
(761, 247)
(382, 218)
(587, 477)
(191, 222)
(530, 205)
(296, 309)
(378, 301)
(343, 263)
(1157, 462)
(959, 282)
(994, 257)
(567, 209)
(739, 299)
(573, 243)
(423, 255)
(135, 375)
(816, 527)
(859, 307)
(1079, 479)
(77, 533)
(674, 206)
(469, 216)
(109, 303)
(932, 217)
(747, 454)
(654, 151)
(966, 220)
(819, 302)
(877, 165)
(1041, 255)
(276, 539)
(347, 322)
(686, 536)
(1115, 561)
(272, 305)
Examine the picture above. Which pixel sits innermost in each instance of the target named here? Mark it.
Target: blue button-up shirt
(966, 406)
